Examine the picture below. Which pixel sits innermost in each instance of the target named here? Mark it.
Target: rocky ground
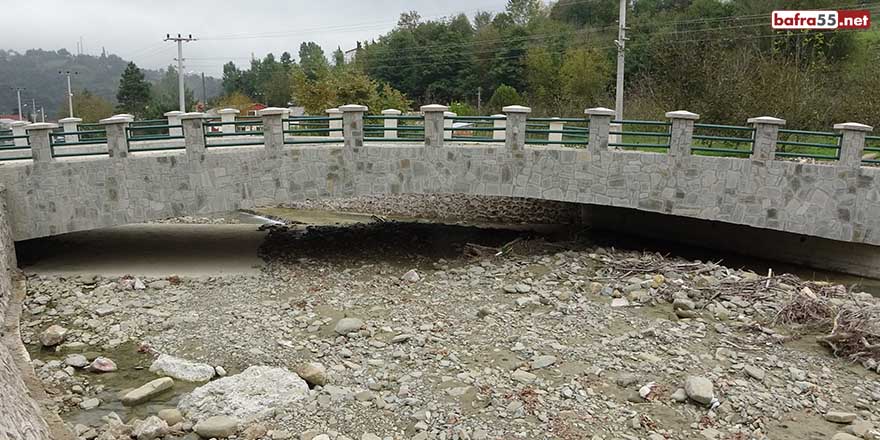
(428, 332)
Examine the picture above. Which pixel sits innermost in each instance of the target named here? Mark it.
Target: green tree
(584, 76)
(338, 57)
(504, 95)
(312, 60)
(164, 97)
(133, 95)
(523, 11)
(88, 106)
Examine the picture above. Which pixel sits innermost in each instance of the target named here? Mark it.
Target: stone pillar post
(335, 125)
(852, 143)
(273, 136)
(448, 123)
(193, 134)
(41, 149)
(70, 124)
(556, 125)
(766, 135)
(117, 141)
(681, 132)
(18, 129)
(174, 119)
(285, 119)
(390, 125)
(353, 125)
(227, 117)
(515, 130)
(600, 125)
(499, 123)
(434, 124)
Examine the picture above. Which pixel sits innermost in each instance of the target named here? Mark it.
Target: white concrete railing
(509, 127)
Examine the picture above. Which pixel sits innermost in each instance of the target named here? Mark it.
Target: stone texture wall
(20, 416)
(64, 195)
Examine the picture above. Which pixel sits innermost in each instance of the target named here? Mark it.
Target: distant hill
(37, 71)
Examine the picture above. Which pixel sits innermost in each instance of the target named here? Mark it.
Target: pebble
(699, 389)
(90, 404)
(314, 373)
(151, 428)
(840, 417)
(619, 302)
(755, 372)
(348, 325)
(543, 362)
(147, 391)
(523, 376)
(102, 365)
(76, 360)
(171, 416)
(53, 336)
(217, 427)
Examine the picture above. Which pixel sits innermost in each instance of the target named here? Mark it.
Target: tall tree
(134, 91)
(89, 107)
(338, 57)
(523, 11)
(312, 60)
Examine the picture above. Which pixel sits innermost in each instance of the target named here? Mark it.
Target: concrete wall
(20, 416)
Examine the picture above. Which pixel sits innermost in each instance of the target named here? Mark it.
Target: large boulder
(699, 389)
(182, 369)
(246, 395)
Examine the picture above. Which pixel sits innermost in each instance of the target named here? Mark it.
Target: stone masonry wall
(19, 414)
(74, 194)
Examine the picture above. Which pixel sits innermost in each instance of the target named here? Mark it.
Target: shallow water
(133, 371)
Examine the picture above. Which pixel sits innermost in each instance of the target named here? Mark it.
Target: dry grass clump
(809, 309)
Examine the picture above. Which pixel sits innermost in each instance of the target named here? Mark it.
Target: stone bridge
(46, 195)
(50, 195)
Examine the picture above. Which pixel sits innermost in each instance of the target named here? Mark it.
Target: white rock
(217, 427)
(182, 369)
(543, 361)
(523, 376)
(349, 325)
(314, 373)
(90, 404)
(53, 336)
(699, 389)
(246, 395)
(147, 391)
(150, 429)
(411, 276)
(619, 302)
(76, 360)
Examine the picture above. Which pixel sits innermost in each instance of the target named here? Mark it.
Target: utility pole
(479, 99)
(204, 91)
(621, 50)
(42, 114)
(34, 110)
(180, 75)
(69, 89)
(18, 94)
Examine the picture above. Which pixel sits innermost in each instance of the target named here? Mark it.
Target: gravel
(465, 351)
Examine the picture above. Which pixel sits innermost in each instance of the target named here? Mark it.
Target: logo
(822, 20)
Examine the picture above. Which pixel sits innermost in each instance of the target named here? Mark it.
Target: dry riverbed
(409, 331)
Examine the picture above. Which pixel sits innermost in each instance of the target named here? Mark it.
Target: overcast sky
(227, 29)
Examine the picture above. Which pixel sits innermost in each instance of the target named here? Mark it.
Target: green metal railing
(148, 122)
(575, 131)
(60, 147)
(137, 135)
(410, 128)
(723, 140)
(240, 134)
(470, 129)
(819, 145)
(872, 146)
(645, 138)
(312, 130)
(20, 152)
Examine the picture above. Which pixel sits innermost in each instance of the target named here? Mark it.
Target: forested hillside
(37, 71)
(719, 58)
